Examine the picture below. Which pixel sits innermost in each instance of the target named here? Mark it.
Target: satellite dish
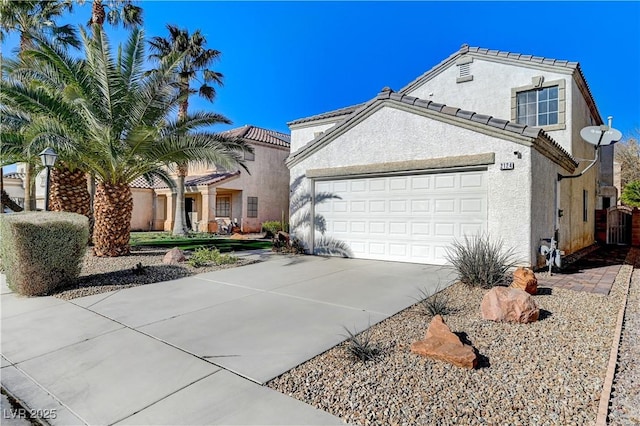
(600, 135)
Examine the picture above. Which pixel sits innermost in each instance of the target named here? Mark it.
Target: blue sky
(287, 60)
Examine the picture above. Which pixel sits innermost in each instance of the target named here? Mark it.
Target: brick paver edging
(605, 396)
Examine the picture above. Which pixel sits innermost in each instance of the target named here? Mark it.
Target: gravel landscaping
(547, 372)
(102, 274)
(624, 406)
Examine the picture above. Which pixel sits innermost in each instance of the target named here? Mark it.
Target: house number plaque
(506, 166)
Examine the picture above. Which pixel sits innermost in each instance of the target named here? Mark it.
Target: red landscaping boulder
(504, 304)
(174, 256)
(525, 279)
(440, 343)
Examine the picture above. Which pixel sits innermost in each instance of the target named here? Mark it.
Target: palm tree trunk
(113, 207)
(9, 203)
(68, 193)
(97, 13)
(27, 187)
(179, 219)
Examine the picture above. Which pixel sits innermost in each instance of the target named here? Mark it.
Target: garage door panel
(377, 185)
(405, 218)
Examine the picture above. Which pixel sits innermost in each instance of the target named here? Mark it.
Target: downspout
(312, 216)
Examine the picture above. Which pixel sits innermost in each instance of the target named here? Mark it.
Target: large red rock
(440, 343)
(174, 256)
(505, 304)
(525, 279)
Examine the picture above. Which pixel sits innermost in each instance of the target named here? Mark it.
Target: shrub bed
(42, 251)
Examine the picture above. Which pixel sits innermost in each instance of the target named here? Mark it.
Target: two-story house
(214, 198)
(474, 145)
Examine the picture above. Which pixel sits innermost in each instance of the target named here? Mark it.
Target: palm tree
(120, 11)
(29, 18)
(194, 65)
(117, 119)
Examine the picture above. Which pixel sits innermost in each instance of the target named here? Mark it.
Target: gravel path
(548, 372)
(624, 406)
(102, 274)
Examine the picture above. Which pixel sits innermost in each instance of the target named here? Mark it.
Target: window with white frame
(252, 206)
(538, 107)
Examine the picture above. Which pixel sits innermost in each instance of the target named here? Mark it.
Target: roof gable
(259, 134)
(519, 59)
(503, 129)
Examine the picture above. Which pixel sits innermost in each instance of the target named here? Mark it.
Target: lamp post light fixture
(48, 157)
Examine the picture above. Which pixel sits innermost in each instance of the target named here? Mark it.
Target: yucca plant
(481, 261)
(434, 304)
(360, 345)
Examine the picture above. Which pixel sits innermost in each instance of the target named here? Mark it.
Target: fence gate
(619, 225)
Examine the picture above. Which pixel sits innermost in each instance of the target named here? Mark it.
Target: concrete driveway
(197, 350)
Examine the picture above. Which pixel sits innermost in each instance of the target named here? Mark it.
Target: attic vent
(316, 134)
(464, 69)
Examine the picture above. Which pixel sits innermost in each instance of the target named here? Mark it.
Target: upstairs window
(541, 103)
(538, 107)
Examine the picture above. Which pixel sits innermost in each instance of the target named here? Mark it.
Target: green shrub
(272, 227)
(42, 251)
(204, 256)
(481, 262)
(631, 194)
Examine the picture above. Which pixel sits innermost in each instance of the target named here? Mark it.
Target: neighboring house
(475, 144)
(14, 186)
(216, 197)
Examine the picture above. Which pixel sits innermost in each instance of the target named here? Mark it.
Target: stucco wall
(268, 180)
(490, 90)
(391, 135)
(543, 202)
(142, 217)
(304, 132)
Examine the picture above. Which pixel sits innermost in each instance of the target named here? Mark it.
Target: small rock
(440, 343)
(525, 279)
(174, 256)
(504, 304)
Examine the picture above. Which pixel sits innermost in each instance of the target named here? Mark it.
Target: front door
(188, 210)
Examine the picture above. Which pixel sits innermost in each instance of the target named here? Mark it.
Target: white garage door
(404, 218)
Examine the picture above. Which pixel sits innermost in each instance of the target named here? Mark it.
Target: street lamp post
(48, 157)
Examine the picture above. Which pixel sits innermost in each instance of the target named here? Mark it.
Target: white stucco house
(475, 144)
(214, 197)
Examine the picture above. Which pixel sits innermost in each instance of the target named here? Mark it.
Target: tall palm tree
(119, 11)
(118, 120)
(194, 67)
(30, 18)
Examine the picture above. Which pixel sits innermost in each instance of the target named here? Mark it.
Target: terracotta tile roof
(141, 182)
(259, 134)
(329, 114)
(208, 179)
(389, 95)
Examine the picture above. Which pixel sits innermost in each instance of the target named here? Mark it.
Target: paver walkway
(594, 273)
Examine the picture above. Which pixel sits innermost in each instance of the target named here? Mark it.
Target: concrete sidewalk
(197, 350)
